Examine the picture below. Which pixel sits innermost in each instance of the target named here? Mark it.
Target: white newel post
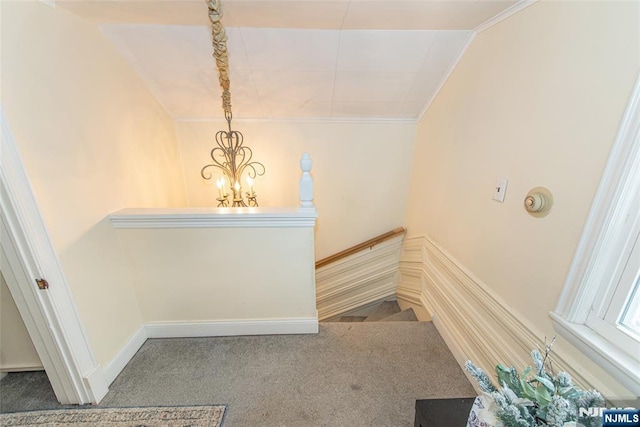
(306, 182)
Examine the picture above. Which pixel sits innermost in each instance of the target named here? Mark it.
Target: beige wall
(361, 171)
(213, 274)
(93, 141)
(536, 99)
(17, 352)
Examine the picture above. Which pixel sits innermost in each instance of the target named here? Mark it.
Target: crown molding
(517, 7)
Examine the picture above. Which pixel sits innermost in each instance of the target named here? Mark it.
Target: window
(631, 315)
(617, 316)
(599, 308)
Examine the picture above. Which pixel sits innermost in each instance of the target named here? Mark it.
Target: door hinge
(42, 284)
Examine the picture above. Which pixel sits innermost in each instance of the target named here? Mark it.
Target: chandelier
(230, 156)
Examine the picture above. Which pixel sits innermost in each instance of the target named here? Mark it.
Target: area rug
(166, 416)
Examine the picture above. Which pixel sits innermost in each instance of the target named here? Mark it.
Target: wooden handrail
(357, 248)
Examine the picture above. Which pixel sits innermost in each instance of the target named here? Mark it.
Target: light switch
(500, 189)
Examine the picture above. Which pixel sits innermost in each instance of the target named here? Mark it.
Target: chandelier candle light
(230, 156)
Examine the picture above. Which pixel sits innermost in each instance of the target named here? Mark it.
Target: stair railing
(357, 248)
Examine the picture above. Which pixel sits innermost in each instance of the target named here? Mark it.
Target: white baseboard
(205, 329)
(17, 367)
(96, 382)
(361, 279)
(409, 298)
(370, 296)
(473, 320)
(221, 328)
(117, 364)
(3, 374)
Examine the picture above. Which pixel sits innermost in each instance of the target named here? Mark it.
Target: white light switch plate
(500, 189)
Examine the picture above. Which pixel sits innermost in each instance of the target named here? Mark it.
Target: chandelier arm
(241, 153)
(223, 166)
(252, 172)
(230, 156)
(209, 175)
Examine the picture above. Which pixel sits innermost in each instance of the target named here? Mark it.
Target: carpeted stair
(388, 311)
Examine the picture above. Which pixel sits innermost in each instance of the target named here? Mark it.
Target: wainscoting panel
(362, 278)
(475, 322)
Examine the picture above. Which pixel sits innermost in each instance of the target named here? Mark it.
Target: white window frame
(606, 316)
(607, 243)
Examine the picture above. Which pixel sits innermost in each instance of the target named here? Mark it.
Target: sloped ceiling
(340, 59)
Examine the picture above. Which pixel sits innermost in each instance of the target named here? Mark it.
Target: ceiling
(327, 59)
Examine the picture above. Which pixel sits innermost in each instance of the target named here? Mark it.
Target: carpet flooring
(349, 374)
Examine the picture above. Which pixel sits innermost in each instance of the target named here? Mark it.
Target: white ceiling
(363, 59)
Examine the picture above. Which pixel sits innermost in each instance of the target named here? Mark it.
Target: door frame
(50, 315)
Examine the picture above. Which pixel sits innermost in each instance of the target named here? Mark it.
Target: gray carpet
(385, 309)
(27, 391)
(407, 315)
(350, 374)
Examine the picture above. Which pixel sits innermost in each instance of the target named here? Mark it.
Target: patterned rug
(167, 416)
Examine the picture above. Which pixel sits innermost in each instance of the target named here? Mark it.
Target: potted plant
(536, 397)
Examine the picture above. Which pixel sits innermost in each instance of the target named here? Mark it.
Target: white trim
(474, 321)
(456, 350)
(609, 357)
(366, 277)
(214, 217)
(51, 316)
(117, 364)
(348, 285)
(223, 328)
(329, 120)
(19, 367)
(346, 305)
(607, 229)
(412, 296)
(517, 7)
(447, 74)
(609, 234)
(50, 3)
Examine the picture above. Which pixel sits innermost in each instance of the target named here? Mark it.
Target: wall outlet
(500, 189)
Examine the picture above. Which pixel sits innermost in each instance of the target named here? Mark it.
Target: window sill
(616, 362)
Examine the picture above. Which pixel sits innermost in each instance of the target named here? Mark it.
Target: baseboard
(117, 364)
(221, 328)
(347, 305)
(456, 350)
(474, 321)
(96, 382)
(360, 279)
(3, 374)
(409, 298)
(205, 329)
(17, 367)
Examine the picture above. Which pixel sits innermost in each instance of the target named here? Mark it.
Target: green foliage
(481, 376)
(537, 397)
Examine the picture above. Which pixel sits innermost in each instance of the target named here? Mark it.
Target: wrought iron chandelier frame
(230, 156)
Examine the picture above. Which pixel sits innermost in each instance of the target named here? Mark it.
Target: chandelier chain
(230, 156)
(219, 38)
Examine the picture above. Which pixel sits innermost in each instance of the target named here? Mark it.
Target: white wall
(536, 99)
(93, 140)
(214, 273)
(17, 352)
(360, 170)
